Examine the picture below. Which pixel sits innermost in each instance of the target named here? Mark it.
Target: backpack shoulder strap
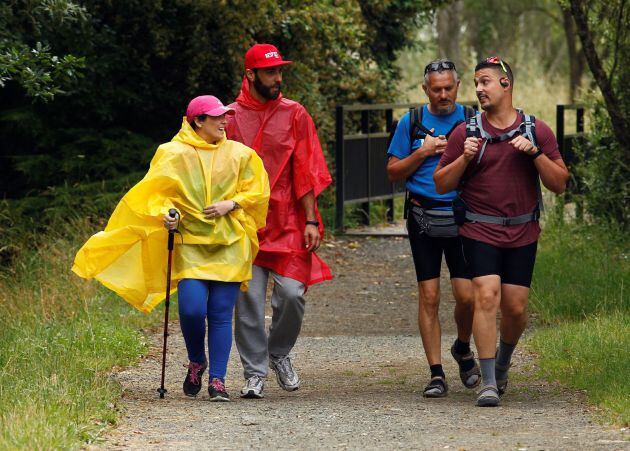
(471, 127)
(414, 119)
(529, 128)
(416, 129)
(469, 112)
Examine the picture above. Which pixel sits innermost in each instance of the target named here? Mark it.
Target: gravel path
(363, 370)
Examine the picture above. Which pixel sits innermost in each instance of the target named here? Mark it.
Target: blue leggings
(199, 299)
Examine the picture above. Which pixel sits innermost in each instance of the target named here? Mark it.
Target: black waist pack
(434, 223)
(459, 210)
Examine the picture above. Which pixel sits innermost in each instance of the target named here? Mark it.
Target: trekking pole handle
(171, 233)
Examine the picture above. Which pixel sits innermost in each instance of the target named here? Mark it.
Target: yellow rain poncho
(130, 255)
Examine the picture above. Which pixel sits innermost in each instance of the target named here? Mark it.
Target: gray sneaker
(253, 388)
(285, 374)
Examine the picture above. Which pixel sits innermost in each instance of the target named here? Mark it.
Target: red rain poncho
(284, 136)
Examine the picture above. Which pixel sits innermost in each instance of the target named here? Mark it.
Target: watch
(315, 223)
(537, 154)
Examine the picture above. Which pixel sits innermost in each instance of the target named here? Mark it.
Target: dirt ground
(363, 369)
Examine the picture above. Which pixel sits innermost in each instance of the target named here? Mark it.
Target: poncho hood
(188, 135)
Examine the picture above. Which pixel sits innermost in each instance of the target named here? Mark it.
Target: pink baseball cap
(208, 105)
(264, 55)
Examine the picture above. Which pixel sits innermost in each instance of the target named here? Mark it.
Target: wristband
(537, 154)
(315, 223)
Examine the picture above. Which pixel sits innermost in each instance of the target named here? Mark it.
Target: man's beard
(265, 91)
(446, 110)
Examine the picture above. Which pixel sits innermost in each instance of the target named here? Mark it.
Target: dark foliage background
(90, 87)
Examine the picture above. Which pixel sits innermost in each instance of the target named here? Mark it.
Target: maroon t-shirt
(503, 183)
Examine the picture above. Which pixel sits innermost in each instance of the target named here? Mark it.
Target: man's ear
(425, 89)
(250, 75)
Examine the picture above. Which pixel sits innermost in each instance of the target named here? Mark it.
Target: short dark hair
(201, 117)
(498, 64)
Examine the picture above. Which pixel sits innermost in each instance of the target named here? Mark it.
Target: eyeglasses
(439, 66)
(496, 60)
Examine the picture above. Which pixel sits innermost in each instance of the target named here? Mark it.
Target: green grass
(591, 355)
(579, 293)
(60, 337)
(580, 270)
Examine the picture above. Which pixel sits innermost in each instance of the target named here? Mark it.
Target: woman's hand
(169, 223)
(219, 209)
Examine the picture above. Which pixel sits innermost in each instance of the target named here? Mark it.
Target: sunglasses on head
(439, 66)
(496, 60)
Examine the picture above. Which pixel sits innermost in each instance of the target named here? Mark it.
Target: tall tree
(575, 53)
(448, 25)
(609, 24)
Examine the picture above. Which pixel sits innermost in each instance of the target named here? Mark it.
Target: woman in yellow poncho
(221, 190)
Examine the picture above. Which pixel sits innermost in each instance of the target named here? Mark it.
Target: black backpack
(418, 131)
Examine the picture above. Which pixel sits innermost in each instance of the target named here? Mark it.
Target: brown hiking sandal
(472, 377)
(502, 383)
(488, 396)
(436, 388)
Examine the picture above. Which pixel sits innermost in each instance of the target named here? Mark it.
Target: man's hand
(433, 145)
(471, 147)
(218, 209)
(169, 223)
(312, 238)
(524, 145)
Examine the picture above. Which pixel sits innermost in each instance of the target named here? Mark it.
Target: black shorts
(427, 254)
(514, 265)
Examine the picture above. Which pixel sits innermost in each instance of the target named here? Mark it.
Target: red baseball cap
(208, 105)
(264, 55)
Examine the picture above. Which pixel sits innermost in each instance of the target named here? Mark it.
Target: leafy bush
(604, 169)
(143, 60)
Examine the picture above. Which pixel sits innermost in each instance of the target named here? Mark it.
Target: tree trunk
(449, 32)
(576, 56)
(620, 125)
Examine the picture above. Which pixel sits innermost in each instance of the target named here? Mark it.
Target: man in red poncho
(284, 136)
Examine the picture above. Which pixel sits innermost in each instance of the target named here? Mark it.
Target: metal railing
(361, 158)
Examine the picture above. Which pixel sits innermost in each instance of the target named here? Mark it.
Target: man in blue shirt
(414, 160)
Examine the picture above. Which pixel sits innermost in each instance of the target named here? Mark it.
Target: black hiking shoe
(217, 391)
(192, 383)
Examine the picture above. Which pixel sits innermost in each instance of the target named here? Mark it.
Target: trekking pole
(171, 237)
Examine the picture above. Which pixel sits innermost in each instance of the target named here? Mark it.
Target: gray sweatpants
(252, 342)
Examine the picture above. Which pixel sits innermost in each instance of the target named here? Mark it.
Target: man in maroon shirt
(498, 182)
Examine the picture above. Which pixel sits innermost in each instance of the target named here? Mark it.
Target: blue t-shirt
(421, 181)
